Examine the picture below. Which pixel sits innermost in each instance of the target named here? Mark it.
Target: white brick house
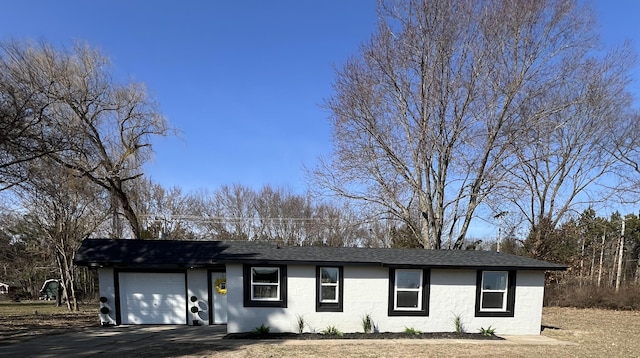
(247, 284)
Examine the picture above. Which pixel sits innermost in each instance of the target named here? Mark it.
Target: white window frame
(505, 292)
(254, 284)
(330, 284)
(418, 290)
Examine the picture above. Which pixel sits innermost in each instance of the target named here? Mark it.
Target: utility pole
(499, 217)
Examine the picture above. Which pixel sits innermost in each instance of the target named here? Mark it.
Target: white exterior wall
(108, 290)
(197, 285)
(529, 301)
(453, 292)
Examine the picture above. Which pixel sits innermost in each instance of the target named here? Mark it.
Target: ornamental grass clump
(411, 330)
(332, 331)
(489, 331)
(367, 323)
(457, 322)
(301, 324)
(262, 330)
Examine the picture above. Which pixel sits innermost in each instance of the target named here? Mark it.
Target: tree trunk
(582, 262)
(67, 280)
(601, 258)
(59, 294)
(593, 263)
(612, 271)
(620, 256)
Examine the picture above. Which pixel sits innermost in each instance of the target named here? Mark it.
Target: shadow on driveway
(121, 341)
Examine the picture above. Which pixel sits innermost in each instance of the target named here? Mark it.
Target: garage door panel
(152, 298)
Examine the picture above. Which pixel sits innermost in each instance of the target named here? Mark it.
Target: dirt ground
(596, 333)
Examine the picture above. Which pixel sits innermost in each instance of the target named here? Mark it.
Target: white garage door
(152, 298)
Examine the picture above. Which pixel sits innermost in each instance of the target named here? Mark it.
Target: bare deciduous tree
(24, 126)
(107, 125)
(60, 211)
(566, 163)
(625, 147)
(282, 216)
(224, 214)
(432, 116)
(164, 212)
(275, 214)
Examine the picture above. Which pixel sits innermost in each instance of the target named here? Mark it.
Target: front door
(219, 284)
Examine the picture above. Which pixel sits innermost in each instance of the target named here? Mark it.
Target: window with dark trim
(495, 293)
(329, 288)
(408, 292)
(265, 285)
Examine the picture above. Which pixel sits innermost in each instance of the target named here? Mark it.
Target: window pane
(329, 274)
(408, 279)
(269, 291)
(407, 299)
(329, 293)
(492, 300)
(265, 275)
(494, 280)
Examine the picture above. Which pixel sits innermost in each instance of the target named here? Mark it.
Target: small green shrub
(332, 331)
(301, 324)
(489, 331)
(411, 330)
(262, 329)
(367, 323)
(457, 322)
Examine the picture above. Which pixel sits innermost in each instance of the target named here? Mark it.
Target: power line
(196, 218)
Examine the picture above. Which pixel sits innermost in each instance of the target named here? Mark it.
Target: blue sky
(243, 80)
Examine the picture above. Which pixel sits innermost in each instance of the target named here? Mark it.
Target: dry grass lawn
(597, 333)
(594, 332)
(20, 321)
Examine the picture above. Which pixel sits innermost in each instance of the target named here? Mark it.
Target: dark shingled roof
(171, 253)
